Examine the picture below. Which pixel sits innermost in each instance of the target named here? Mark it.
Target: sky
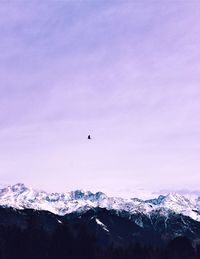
(125, 72)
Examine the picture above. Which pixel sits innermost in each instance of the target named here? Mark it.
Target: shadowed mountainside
(94, 234)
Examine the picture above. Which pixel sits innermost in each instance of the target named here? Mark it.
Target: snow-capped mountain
(20, 197)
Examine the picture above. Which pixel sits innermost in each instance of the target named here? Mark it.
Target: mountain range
(82, 224)
(19, 196)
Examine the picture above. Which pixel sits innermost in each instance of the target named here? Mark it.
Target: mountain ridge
(21, 197)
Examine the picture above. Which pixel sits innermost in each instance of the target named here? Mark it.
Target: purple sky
(127, 72)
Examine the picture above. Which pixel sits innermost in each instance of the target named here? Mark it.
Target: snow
(101, 224)
(19, 197)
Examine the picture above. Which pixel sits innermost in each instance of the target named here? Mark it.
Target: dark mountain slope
(94, 234)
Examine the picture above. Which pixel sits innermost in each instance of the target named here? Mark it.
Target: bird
(89, 137)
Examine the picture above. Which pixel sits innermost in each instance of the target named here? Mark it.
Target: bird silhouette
(89, 137)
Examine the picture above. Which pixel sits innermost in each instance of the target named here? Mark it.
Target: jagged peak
(156, 201)
(18, 186)
(176, 197)
(83, 194)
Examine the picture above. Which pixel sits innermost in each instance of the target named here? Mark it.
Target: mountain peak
(156, 201)
(81, 194)
(18, 186)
